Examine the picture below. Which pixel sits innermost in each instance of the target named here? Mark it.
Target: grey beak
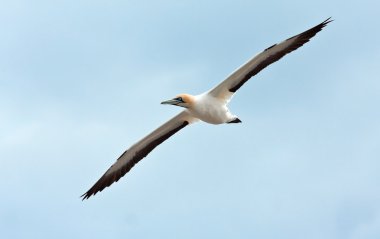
(170, 102)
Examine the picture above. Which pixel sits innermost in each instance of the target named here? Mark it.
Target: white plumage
(210, 107)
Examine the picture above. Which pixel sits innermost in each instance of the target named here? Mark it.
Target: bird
(210, 107)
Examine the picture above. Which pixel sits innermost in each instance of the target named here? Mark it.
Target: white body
(210, 109)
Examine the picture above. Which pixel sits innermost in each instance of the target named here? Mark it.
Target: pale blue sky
(80, 81)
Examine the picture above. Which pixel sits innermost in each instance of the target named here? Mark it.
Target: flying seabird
(210, 107)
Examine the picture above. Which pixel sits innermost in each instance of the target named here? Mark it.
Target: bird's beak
(171, 102)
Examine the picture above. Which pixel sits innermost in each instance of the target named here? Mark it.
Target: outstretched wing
(138, 151)
(228, 87)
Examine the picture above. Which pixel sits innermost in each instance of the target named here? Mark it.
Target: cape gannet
(210, 107)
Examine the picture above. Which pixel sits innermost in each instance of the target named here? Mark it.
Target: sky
(80, 81)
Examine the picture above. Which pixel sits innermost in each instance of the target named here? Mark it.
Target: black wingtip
(320, 26)
(87, 195)
(327, 21)
(324, 23)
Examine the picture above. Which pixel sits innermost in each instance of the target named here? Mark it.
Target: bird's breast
(211, 111)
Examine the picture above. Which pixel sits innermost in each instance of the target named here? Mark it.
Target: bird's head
(183, 100)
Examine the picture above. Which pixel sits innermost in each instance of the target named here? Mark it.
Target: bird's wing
(139, 150)
(229, 86)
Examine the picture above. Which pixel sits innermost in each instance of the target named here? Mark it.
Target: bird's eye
(180, 99)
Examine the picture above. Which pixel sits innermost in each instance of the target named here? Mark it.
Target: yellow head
(183, 100)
